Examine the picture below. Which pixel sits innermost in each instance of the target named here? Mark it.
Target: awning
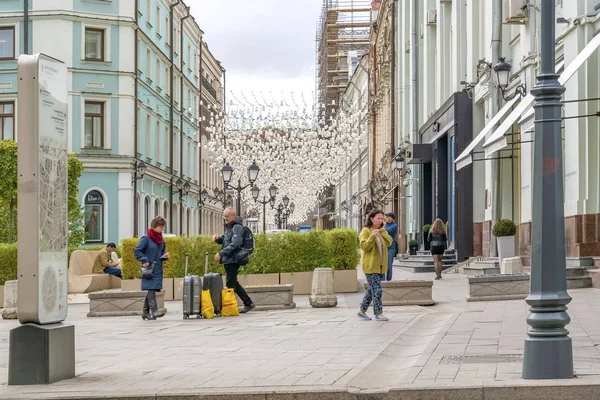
(465, 158)
(498, 141)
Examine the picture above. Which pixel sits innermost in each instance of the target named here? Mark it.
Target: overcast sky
(265, 45)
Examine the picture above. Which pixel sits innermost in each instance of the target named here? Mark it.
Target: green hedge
(8, 254)
(286, 252)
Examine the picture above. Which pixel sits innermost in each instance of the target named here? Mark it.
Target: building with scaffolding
(342, 38)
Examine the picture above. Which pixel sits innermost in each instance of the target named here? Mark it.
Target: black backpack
(247, 247)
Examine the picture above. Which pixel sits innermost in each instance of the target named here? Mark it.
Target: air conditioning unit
(515, 12)
(431, 17)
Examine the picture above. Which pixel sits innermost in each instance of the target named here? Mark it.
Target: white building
(445, 67)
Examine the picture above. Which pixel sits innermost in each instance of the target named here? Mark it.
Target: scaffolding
(343, 28)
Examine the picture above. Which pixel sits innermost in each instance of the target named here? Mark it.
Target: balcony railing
(208, 87)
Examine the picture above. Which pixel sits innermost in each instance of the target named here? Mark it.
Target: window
(147, 211)
(94, 44)
(94, 125)
(156, 208)
(167, 30)
(167, 148)
(148, 64)
(94, 217)
(157, 148)
(7, 43)
(148, 10)
(158, 68)
(189, 56)
(7, 121)
(148, 134)
(158, 19)
(167, 81)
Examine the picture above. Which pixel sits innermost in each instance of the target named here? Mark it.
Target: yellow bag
(208, 310)
(229, 304)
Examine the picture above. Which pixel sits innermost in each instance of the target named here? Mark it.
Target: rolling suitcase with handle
(192, 290)
(213, 282)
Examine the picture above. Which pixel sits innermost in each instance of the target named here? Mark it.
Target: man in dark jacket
(232, 252)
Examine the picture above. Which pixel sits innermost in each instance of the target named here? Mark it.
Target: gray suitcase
(192, 291)
(213, 282)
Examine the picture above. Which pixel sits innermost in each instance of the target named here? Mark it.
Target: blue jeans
(114, 271)
(388, 276)
(374, 293)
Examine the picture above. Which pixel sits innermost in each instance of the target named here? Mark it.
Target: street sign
(42, 189)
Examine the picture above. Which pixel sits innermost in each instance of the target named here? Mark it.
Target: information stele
(42, 189)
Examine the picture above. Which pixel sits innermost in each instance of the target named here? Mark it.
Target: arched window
(189, 218)
(147, 212)
(94, 217)
(166, 215)
(157, 208)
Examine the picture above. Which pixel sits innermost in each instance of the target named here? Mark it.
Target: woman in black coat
(150, 251)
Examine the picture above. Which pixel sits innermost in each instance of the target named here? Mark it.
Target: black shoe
(247, 308)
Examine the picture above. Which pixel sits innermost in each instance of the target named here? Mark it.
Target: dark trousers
(232, 283)
(150, 301)
(114, 271)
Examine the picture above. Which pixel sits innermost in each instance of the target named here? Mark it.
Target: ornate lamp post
(183, 188)
(284, 210)
(272, 194)
(139, 169)
(227, 173)
(548, 352)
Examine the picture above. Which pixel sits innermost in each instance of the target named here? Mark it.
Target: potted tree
(426, 229)
(504, 231)
(413, 245)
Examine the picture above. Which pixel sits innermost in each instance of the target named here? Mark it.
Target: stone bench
(270, 297)
(407, 293)
(81, 279)
(114, 303)
(498, 287)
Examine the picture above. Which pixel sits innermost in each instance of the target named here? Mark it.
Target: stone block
(177, 288)
(302, 281)
(587, 262)
(131, 285)
(257, 279)
(322, 292)
(407, 293)
(511, 265)
(486, 267)
(168, 288)
(498, 287)
(41, 354)
(121, 303)
(345, 281)
(274, 297)
(10, 300)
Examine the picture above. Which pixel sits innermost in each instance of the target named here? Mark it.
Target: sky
(264, 45)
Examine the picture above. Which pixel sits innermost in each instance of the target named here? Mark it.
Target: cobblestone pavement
(308, 349)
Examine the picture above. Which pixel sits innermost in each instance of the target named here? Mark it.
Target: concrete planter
(131, 285)
(498, 287)
(11, 297)
(111, 303)
(2, 295)
(177, 289)
(407, 293)
(506, 247)
(271, 297)
(302, 281)
(168, 288)
(345, 281)
(257, 279)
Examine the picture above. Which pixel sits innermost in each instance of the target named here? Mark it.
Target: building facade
(471, 130)
(134, 102)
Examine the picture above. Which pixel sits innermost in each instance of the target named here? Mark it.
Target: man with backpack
(238, 244)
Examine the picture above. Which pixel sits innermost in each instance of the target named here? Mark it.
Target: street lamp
(283, 212)
(139, 169)
(272, 194)
(183, 188)
(227, 173)
(286, 201)
(399, 161)
(548, 351)
(502, 69)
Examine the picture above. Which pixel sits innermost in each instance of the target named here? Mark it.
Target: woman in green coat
(374, 243)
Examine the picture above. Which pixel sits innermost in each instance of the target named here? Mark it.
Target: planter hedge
(8, 271)
(286, 252)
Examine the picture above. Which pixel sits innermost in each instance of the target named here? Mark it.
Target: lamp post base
(548, 358)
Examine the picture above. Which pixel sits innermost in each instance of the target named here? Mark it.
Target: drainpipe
(495, 99)
(26, 26)
(200, 143)
(135, 118)
(183, 110)
(172, 86)
(417, 194)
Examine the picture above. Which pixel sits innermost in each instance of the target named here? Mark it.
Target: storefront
(444, 192)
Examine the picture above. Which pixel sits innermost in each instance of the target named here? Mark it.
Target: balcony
(328, 209)
(208, 87)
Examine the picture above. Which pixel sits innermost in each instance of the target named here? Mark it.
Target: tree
(8, 183)
(8, 194)
(77, 233)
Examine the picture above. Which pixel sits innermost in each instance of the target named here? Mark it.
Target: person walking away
(104, 263)
(232, 254)
(150, 251)
(374, 243)
(439, 242)
(392, 229)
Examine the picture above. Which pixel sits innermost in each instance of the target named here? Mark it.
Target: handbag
(148, 272)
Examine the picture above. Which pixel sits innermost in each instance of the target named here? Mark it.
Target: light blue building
(134, 104)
